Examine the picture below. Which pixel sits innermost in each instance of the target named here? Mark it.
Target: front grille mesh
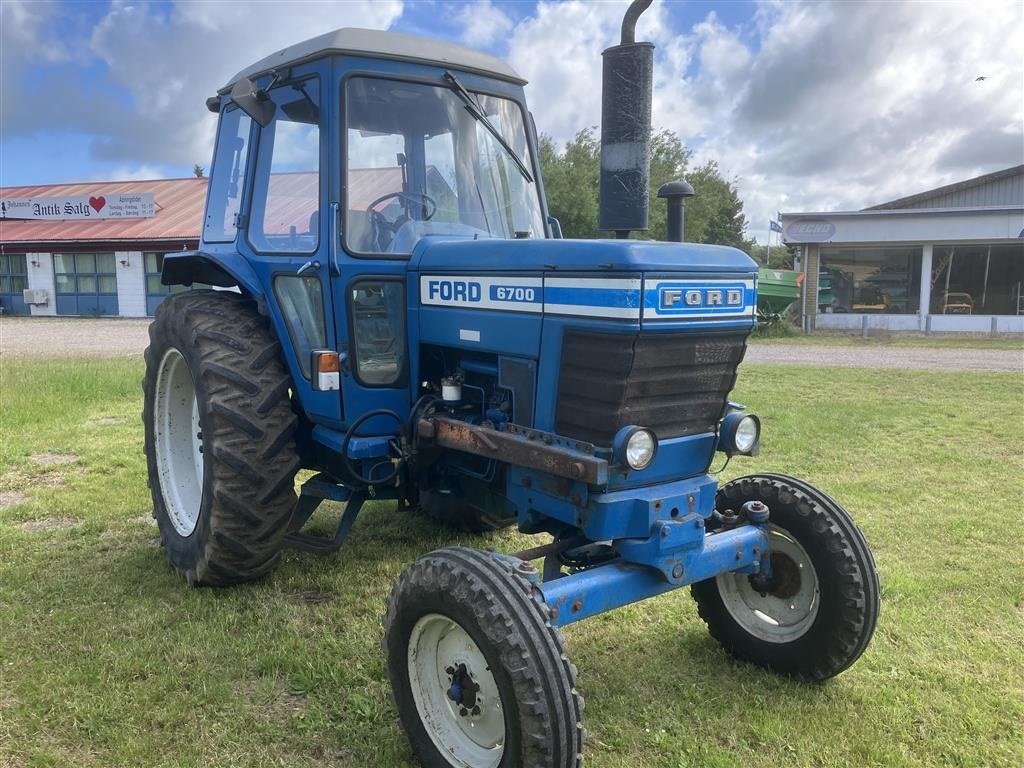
(674, 383)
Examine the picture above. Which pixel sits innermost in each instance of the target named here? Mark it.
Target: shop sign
(136, 205)
(810, 231)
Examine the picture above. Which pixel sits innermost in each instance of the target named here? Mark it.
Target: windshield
(420, 163)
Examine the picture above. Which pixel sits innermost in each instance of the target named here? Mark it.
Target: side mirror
(254, 101)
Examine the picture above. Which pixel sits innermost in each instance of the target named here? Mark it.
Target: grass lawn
(107, 659)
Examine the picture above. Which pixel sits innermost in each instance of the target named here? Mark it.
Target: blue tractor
(393, 308)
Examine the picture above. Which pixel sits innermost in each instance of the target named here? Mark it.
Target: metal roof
(378, 44)
(1005, 187)
(178, 202)
(179, 207)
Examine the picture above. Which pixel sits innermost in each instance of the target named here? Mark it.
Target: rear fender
(223, 270)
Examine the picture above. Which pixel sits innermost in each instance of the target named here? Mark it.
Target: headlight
(747, 432)
(635, 446)
(740, 433)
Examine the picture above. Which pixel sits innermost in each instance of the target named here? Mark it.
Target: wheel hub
(781, 607)
(456, 695)
(463, 690)
(784, 581)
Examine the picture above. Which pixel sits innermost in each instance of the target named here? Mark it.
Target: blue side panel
(510, 333)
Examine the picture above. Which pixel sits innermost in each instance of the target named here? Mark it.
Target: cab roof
(377, 44)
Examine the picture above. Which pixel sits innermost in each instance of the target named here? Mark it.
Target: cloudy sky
(811, 106)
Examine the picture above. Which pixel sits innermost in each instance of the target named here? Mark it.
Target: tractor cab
(334, 160)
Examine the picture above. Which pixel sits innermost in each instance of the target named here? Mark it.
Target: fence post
(864, 325)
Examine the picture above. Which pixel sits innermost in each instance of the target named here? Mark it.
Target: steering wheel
(381, 227)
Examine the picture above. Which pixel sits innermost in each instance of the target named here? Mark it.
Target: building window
(978, 280)
(13, 280)
(870, 280)
(86, 283)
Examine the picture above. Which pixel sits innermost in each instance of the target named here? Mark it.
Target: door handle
(308, 265)
(332, 233)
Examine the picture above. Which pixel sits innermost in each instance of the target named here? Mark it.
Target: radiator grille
(675, 383)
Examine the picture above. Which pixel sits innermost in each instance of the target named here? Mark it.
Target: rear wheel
(219, 437)
(817, 612)
(479, 676)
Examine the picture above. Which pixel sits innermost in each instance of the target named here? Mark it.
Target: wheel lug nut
(476, 710)
(463, 712)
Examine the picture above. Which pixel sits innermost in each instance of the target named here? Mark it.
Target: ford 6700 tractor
(394, 309)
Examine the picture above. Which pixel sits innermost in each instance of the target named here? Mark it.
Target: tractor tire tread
(516, 623)
(248, 428)
(849, 611)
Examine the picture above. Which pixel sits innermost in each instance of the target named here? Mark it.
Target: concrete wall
(939, 323)
(40, 275)
(131, 284)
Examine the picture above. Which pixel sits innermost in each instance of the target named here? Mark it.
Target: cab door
(287, 232)
(379, 165)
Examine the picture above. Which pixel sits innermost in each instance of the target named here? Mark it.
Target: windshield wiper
(473, 107)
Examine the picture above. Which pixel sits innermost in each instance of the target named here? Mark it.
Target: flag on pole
(775, 226)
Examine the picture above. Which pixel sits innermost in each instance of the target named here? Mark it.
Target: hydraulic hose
(350, 433)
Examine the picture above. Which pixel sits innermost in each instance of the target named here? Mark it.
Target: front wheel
(479, 676)
(816, 613)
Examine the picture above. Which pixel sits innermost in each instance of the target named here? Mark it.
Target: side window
(378, 331)
(302, 304)
(285, 215)
(225, 195)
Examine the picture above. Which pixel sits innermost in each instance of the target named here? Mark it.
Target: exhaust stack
(628, 76)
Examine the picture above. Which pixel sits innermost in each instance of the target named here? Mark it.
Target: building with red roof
(97, 248)
(94, 248)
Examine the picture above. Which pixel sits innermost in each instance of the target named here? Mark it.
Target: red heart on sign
(97, 203)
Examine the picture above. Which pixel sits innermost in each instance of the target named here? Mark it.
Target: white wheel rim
(437, 647)
(177, 442)
(775, 618)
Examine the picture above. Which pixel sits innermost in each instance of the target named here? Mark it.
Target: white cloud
(171, 61)
(816, 106)
(484, 23)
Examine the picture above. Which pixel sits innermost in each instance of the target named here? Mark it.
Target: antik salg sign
(137, 205)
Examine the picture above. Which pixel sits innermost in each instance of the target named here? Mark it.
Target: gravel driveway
(73, 337)
(83, 337)
(881, 356)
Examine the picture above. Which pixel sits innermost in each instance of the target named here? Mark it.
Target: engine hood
(487, 255)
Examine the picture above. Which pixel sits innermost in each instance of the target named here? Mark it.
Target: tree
(572, 177)
(198, 170)
(715, 213)
(571, 180)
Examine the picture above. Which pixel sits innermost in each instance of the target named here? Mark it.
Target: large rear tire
(817, 613)
(479, 676)
(219, 439)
